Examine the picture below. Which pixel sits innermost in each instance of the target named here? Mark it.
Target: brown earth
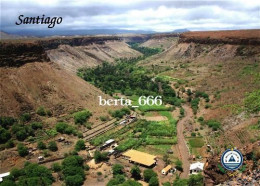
(25, 88)
(74, 57)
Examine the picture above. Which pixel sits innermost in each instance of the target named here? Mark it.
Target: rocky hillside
(93, 54)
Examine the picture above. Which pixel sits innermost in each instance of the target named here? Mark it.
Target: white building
(4, 175)
(196, 167)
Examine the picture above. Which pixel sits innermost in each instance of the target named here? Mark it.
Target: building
(107, 143)
(4, 175)
(140, 158)
(196, 167)
(166, 169)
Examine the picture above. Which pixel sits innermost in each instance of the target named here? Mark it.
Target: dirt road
(183, 149)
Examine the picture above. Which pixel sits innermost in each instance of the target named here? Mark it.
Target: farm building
(140, 158)
(196, 167)
(166, 169)
(4, 175)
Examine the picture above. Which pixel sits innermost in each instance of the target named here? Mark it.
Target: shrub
(9, 144)
(252, 102)
(73, 170)
(136, 172)
(65, 128)
(195, 105)
(22, 150)
(100, 156)
(41, 111)
(215, 125)
(41, 145)
(196, 180)
(31, 174)
(148, 174)
(52, 146)
(118, 169)
(82, 116)
(117, 180)
(193, 134)
(25, 117)
(154, 181)
(5, 135)
(103, 118)
(208, 106)
(56, 167)
(182, 112)
(201, 119)
(21, 135)
(36, 125)
(6, 122)
(178, 165)
(80, 145)
(120, 113)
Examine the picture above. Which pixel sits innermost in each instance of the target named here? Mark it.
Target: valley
(52, 121)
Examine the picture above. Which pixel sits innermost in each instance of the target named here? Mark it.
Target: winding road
(183, 149)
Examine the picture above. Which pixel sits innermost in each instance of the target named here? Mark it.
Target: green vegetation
(194, 180)
(52, 145)
(6, 122)
(214, 124)
(56, 167)
(203, 95)
(148, 174)
(140, 133)
(41, 145)
(252, 102)
(5, 135)
(196, 142)
(36, 125)
(22, 150)
(145, 50)
(41, 111)
(104, 118)
(80, 145)
(117, 180)
(31, 174)
(120, 113)
(73, 170)
(195, 105)
(65, 128)
(154, 181)
(178, 165)
(136, 172)
(25, 117)
(117, 169)
(182, 112)
(100, 156)
(127, 78)
(82, 116)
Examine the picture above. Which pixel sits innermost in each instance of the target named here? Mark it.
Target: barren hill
(37, 84)
(75, 57)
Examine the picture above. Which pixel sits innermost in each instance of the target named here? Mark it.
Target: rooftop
(140, 157)
(109, 141)
(167, 168)
(197, 165)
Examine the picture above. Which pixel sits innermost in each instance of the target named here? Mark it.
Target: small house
(196, 167)
(166, 169)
